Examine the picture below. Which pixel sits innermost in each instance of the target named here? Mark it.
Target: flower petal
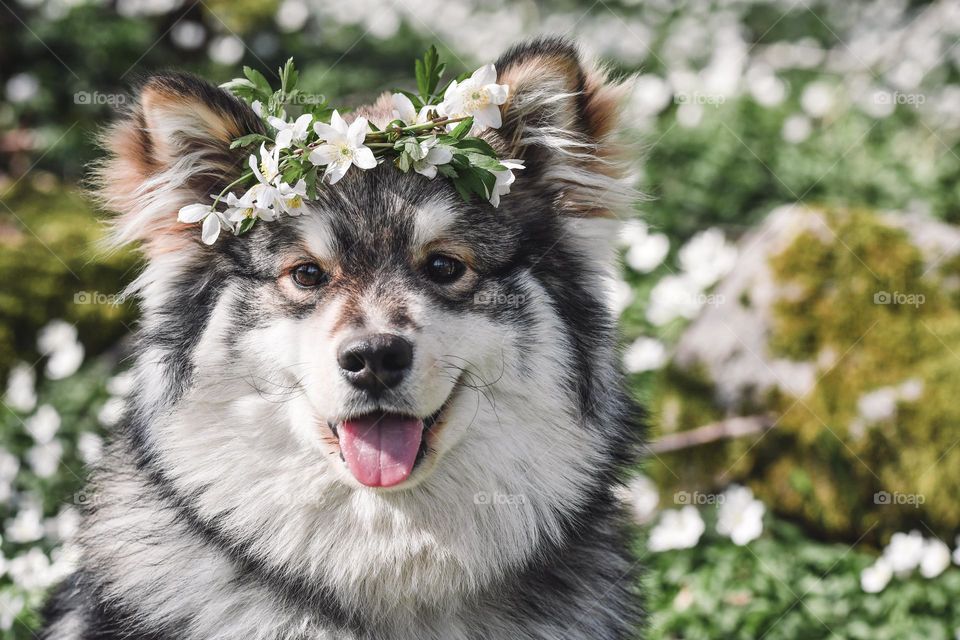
(194, 213)
(326, 132)
(284, 138)
(338, 123)
(404, 108)
(335, 171)
(498, 93)
(489, 116)
(357, 132)
(486, 74)
(211, 229)
(323, 155)
(426, 169)
(439, 155)
(363, 158)
(301, 125)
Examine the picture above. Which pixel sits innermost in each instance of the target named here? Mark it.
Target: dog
(399, 415)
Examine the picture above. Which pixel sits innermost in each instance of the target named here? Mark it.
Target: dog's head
(394, 345)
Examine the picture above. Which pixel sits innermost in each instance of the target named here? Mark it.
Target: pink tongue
(380, 449)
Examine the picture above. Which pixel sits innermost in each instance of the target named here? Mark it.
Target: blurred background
(790, 294)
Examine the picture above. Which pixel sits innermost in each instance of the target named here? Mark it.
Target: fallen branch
(713, 432)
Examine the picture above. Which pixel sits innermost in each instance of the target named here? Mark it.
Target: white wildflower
(707, 257)
(878, 405)
(58, 341)
(111, 412)
(44, 459)
(212, 220)
(817, 99)
(344, 147)
(647, 253)
(430, 154)
(43, 425)
(31, 570)
(642, 497)
(290, 132)
(11, 605)
(478, 96)
(677, 529)
(90, 447)
(291, 197)
(796, 129)
(904, 552)
(935, 558)
(120, 384)
(21, 392)
(740, 515)
(505, 178)
(875, 578)
(404, 110)
(674, 297)
(645, 354)
(248, 206)
(619, 296)
(27, 525)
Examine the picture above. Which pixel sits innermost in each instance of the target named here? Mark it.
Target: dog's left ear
(561, 118)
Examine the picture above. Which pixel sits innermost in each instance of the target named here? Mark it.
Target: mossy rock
(844, 326)
(51, 267)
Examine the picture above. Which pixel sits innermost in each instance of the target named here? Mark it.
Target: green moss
(843, 284)
(50, 268)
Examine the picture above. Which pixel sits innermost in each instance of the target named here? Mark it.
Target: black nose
(376, 362)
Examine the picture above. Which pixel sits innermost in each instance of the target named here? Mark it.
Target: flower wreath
(428, 137)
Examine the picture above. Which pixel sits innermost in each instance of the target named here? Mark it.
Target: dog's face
(395, 372)
(389, 308)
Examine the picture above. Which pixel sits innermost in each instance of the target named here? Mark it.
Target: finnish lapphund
(477, 343)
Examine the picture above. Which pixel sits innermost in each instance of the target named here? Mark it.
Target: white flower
(707, 257)
(645, 354)
(796, 129)
(740, 516)
(642, 497)
(266, 168)
(677, 529)
(290, 132)
(58, 340)
(111, 412)
(344, 147)
(248, 206)
(9, 465)
(44, 459)
(27, 525)
(21, 394)
(505, 178)
(674, 297)
(31, 570)
(10, 607)
(63, 526)
(817, 99)
(404, 110)
(428, 155)
(647, 252)
(478, 96)
(935, 558)
(43, 425)
(212, 220)
(121, 384)
(291, 198)
(904, 552)
(878, 405)
(875, 578)
(90, 447)
(619, 296)
(257, 107)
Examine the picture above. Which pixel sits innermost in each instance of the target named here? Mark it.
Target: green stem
(241, 179)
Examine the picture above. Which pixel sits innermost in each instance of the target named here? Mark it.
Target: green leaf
(249, 139)
(258, 80)
(447, 170)
(289, 76)
(428, 72)
(311, 179)
(245, 225)
(476, 145)
(462, 129)
(404, 162)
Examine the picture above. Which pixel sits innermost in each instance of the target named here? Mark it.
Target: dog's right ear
(171, 149)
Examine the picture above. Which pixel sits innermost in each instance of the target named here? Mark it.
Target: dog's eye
(444, 269)
(308, 275)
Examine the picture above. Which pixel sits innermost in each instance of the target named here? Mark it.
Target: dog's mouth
(382, 448)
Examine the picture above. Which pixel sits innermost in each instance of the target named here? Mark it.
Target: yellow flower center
(248, 213)
(345, 151)
(477, 99)
(295, 202)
